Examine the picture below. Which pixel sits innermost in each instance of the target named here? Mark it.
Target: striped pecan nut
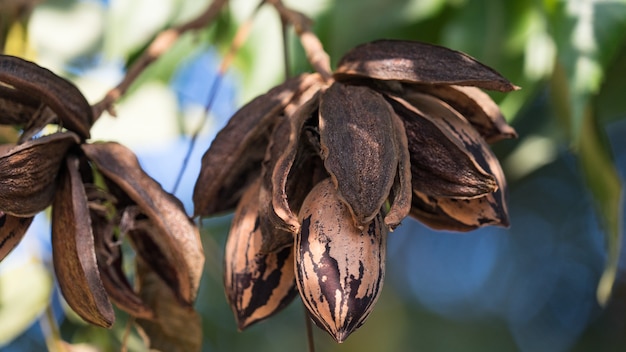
(339, 268)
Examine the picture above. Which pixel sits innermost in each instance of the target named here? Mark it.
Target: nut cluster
(99, 195)
(320, 171)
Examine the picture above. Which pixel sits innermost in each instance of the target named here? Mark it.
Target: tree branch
(159, 45)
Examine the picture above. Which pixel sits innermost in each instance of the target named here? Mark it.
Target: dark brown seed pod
(73, 250)
(416, 62)
(339, 268)
(28, 173)
(359, 147)
(232, 162)
(161, 231)
(71, 107)
(257, 285)
(12, 230)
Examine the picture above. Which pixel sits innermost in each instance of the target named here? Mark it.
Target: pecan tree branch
(159, 45)
(313, 48)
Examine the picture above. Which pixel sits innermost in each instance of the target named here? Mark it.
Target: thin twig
(287, 68)
(309, 331)
(240, 37)
(127, 331)
(49, 326)
(313, 47)
(161, 43)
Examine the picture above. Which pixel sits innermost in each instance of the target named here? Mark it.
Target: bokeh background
(540, 285)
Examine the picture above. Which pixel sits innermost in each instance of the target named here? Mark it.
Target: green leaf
(605, 185)
(588, 34)
(24, 293)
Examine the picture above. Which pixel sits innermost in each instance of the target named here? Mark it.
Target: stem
(283, 25)
(126, 336)
(51, 331)
(161, 43)
(309, 331)
(313, 47)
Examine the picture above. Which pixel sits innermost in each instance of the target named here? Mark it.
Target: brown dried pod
(164, 235)
(339, 268)
(305, 170)
(298, 116)
(73, 110)
(110, 264)
(475, 105)
(16, 108)
(234, 158)
(257, 285)
(440, 167)
(12, 230)
(28, 173)
(176, 326)
(73, 251)
(361, 148)
(459, 212)
(417, 62)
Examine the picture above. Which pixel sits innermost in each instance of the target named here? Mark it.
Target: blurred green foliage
(565, 171)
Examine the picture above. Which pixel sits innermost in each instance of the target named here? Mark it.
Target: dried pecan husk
(28, 173)
(305, 171)
(258, 285)
(299, 116)
(234, 158)
(416, 62)
(460, 213)
(161, 231)
(110, 264)
(12, 230)
(440, 164)
(71, 107)
(339, 268)
(473, 104)
(360, 146)
(176, 326)
(16, 108)
(73, 250)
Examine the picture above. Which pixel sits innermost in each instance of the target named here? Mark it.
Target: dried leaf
(233, 160)
(60, 95)
(417, 62)
(359, 147)
(73, 251)
(110, 265)
(12, 230)
(176, 327)
(339, 268)
(257, 285)
(28, 173)
(170, 239)
(440, 166)
(475, 105)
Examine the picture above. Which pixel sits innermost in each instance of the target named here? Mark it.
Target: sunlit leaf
(588, 35)
(62, 96)
(24, 293)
